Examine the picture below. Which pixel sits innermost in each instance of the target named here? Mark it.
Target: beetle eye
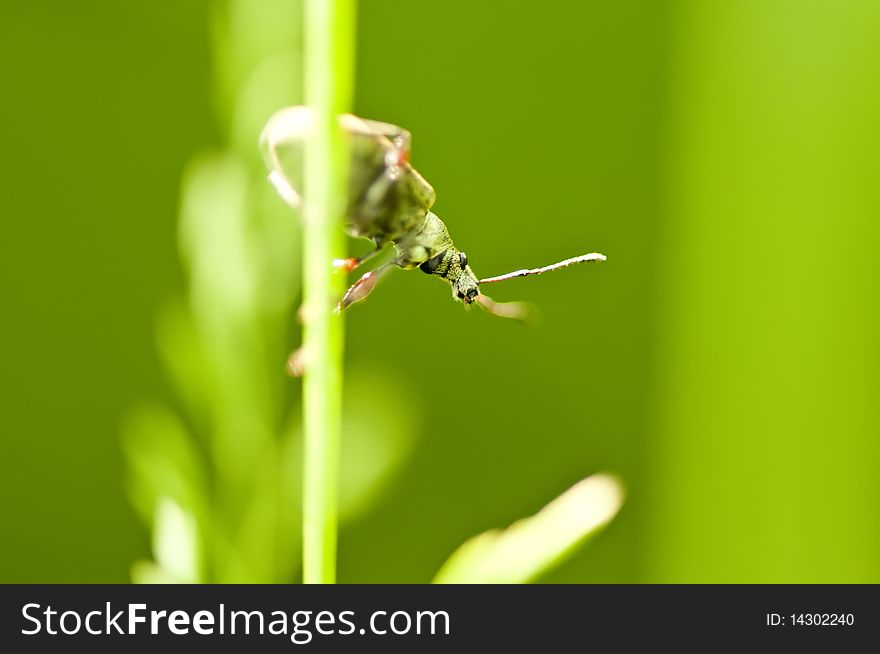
(431, 265)
(462, 260)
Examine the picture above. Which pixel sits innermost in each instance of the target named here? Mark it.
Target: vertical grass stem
(329, 71)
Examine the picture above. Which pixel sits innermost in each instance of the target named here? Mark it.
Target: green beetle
(388, 202)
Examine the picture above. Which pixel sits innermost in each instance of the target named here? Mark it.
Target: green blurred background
(724, 361)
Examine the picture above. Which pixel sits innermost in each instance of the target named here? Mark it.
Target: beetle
(388, 202)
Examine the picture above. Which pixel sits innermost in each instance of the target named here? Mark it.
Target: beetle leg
(362, 287)
(297, 362)
(399, 154)
(398, 136)
(347, 265)
(521, 311)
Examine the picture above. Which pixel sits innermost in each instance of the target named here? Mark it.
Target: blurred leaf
(175, 542)
(163, 462)
(277, 250)
(183, 358)
(147, 572)
(531, 546)
(175, 547)
(224, 343)
(259, 544)
(227, 308)
(213, 236)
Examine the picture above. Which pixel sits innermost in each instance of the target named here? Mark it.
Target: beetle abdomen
(386, 196)
(383, 202)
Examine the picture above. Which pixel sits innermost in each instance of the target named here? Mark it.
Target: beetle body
(388, 202)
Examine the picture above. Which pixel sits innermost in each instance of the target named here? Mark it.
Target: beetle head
(466, 286)
(452, 265)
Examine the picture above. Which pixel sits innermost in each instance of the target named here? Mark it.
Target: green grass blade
(329, 80)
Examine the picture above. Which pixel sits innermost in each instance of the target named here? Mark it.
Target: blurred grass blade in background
(215, 487)
(533, 545)
(764, 464)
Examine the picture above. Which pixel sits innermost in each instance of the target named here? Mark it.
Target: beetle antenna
(592, 256)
